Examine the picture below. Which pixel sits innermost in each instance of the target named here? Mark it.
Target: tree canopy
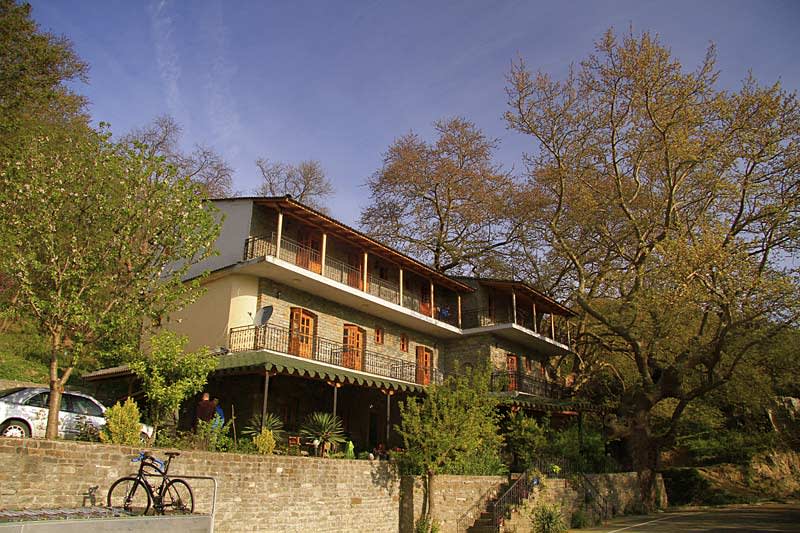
(446, 202)
(675, 204)
(306, 181)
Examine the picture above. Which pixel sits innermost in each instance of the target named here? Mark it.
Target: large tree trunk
(644, 451)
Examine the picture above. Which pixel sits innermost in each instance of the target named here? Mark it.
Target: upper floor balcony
(515, 311)
(527, 383)
(309, 346)
(312, 253)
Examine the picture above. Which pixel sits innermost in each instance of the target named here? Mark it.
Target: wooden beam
(280, 235)
(535, 320)
(433, 314)
(458, 297)
(364, 280)
(401, 286)
(514, 305)
(324, 252)
(264, 400)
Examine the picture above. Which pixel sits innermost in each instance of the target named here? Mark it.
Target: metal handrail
(520, 381)
(466, 520)
(278, 339)
(516, 493)
(599, 501)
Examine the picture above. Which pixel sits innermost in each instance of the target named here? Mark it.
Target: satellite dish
(262, 316)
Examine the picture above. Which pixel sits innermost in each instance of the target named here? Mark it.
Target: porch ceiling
(515, 333)
(269, 361)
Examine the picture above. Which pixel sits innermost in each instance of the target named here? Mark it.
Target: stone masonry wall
(272, 493)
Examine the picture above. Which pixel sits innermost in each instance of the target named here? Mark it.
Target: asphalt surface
(778, 518)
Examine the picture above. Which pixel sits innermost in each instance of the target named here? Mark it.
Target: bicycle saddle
(172, 454)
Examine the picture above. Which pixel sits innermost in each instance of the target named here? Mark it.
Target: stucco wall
(235, 215)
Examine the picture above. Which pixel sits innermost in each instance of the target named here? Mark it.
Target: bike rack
(207, 478)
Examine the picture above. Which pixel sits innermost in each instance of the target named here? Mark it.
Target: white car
(23, 413)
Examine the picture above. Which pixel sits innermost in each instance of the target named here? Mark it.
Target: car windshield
(9, 392)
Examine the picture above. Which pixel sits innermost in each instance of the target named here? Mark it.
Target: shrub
(547, 519)
(427, 525)
(123, 425)
(271, 422)
(264, 442)
(212, 436)
(326, 430)
(579, 519)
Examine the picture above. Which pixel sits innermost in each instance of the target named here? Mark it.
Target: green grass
(23, 356)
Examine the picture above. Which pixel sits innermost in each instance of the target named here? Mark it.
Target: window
(403, 342)
(424, 365)
(353, 349)
(378, 335)
(528, 365)
(383, 272)
(302, 330)
(82, 406)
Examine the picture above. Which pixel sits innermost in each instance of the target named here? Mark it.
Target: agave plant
(271, 422)
(325, 428)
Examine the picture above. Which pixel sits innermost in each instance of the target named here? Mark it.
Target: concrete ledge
(142, 524)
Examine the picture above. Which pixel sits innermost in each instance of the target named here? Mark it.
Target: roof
(268, 361)
(333, 227)
(548, 305)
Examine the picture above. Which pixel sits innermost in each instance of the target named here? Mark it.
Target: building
(312, 315)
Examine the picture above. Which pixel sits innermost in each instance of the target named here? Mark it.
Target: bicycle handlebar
(144, 455)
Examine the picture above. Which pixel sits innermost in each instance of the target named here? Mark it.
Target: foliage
(264, 442)
(23, 355)
(728, 446)
(526, 439)
(675, 206)
(426, 525)
(324, 428)
(306, 182)
(272, 422)
(123, 424)
(547, 518)
(579, 520)
(211, 436)
(448, 426)
(445, 202)
(482, 461)
(169, 374)
(203, 165)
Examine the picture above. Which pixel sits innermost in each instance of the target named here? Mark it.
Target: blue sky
(338, 81)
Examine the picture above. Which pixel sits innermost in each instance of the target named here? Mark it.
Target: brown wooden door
(353, 347)
(511, 366)
(424, 365)
(308, 254)
(301, 332)
(354, 272)
(425, 300)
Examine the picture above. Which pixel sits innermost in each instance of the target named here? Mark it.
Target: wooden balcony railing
(517, 380)
(343, 273)
(276, 338)
(384, 289)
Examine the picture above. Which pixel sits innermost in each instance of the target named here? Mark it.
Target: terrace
(284, 341)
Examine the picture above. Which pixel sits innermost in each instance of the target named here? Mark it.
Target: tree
(203, 165)
(305, 182)
(169, 374)
(447, 424)
(446, 202)
(98, 237)
(37, 68)
(676, 205)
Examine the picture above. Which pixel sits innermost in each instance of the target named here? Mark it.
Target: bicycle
(135, 494)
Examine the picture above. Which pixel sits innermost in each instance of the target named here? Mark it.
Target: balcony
(519, 327)
(519, 381)
(277, 339)
(306, 268)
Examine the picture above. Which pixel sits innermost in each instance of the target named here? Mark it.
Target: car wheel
(15, 428)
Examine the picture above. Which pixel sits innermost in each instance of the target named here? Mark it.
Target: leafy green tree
(676, 206)
(169, 374)
(98, 238)
(123, 424)
(446, 425)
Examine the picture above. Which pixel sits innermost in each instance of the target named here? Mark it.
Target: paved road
(777, 518)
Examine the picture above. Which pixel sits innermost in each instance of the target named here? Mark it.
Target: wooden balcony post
(364, 276)
(535, 320)
(569, 340)
(433, 313)
(280, 235)
(264, 400)
(401, 286)
(458, 297)
(324, 253)
(514, 305)
(552, 326)
(389, 393)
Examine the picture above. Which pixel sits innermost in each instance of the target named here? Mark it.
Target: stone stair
(484, 522)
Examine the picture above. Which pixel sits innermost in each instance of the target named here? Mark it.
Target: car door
(35, 411)
(84, 417)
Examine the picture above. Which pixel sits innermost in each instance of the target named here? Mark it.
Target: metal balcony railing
(520, 381)
(382, 288)
(335, 353)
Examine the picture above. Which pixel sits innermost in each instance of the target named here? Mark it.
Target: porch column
(389, 393)
(401, 286)
(535, 320)
(458, 298)
(433, 314)
(324, 252)
(552, 326)
(280, 234)
(336, 386)
(264, 402)
(569, 340)
(364, 281)
(514, 305)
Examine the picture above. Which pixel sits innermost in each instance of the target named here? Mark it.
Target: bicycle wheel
(178, 498)
(129, 494)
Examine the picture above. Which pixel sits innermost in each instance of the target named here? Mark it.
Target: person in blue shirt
(219, 419)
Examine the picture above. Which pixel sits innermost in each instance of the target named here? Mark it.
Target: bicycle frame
(161, 468)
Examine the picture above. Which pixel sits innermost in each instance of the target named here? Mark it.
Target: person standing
(219, 415)
(205, 409)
